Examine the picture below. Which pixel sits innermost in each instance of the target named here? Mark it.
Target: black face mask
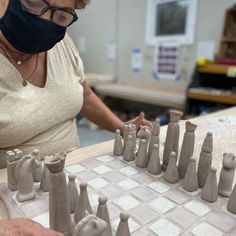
(29, 33)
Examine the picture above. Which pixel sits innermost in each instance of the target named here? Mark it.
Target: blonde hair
(80, 4)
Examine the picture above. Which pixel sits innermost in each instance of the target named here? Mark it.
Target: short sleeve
(76, 61)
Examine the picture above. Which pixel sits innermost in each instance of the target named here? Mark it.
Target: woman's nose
(46, 15)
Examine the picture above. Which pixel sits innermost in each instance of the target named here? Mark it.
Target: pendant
(24, 83)
(19, 62)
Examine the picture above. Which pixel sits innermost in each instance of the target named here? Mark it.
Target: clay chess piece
(83, 204)
(123, 227)
(227, 174)
(154, 137)
(190, 182)
(172, 137)
(171, 175)
(129, 129)
(129, 154)
(210, 191)
(24, 178)
(187, 148)
(231, 206)
(44, 184)
(142, 156)
(205, 160)
(12, 160)
(90, 226)
(72, 192)
(144, 133)
(154, 165)
(118, 146)
(37, 173)
(102, 213)
(59, 207)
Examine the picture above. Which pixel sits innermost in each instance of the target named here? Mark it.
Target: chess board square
(143, 178)
(75, 168)
(206, 229)
(183, 217)
(111, 191)
(143, 233)
(42, 219)
(143, 193)
(198, 208)
(177, 196)
(127, 202)
(113, 210)
(128, 184)
(86, 175)
(102, 169)
(91, 163)
(162, 205)
(164, 227)
(93, 198)
(105, 158)
(221, 220)
(98, 183)
(129, 171)
(190, 193)
(117, 164)
(159, 187)
(114, 176)
(144, 214)
(133, 226)
(35, 207)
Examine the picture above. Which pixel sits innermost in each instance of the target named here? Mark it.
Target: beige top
(43, 118)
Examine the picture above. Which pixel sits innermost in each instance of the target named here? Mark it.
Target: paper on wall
(111, 50)
(206, 49)
(136, 60)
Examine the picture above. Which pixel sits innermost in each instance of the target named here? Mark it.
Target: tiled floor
(155, 207)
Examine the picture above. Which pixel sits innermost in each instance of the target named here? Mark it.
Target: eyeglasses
(60, 16)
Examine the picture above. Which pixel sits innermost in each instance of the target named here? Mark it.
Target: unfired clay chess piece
(190, 183)
(129, 129)
(123, 227)
(187, 148)
(227, 174)
(72, 192)
(172, 137)
(118, 146)
(210, 190)
(24, 177)
(102, 213)
(129, 154)
(171, 175)
(59, 207)
(12, 160)
(83, 204)
(154, 165)
(144, 133)
(44, 184)
(90, 226)
(142, 156)
(37, 173)
(205, 160)
(231, 206)
(154, 137)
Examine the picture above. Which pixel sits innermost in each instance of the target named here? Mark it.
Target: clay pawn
(123, 227)
(118, 146)
(154, 165)
(72, 192)
(171, 175)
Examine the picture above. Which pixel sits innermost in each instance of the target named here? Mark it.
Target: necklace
(18, 62)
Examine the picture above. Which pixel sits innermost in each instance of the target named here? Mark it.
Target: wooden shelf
(205, 95)
(229, 40)
(214, 69)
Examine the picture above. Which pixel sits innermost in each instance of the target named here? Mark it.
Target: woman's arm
(97, 112)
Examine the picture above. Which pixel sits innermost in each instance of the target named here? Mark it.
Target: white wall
(125, 22)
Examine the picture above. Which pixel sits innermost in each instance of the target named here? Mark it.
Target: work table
(222, 124)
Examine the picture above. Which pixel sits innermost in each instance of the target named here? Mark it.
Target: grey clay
(171, 175)
(118, 146)
(154, 165)
(123, 227)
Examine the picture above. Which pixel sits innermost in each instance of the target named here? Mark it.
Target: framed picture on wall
(171, 21)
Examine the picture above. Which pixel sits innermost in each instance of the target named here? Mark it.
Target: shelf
(229, 39)
(210, 96)
(214, 69)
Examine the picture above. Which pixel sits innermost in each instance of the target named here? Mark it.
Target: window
(171, 21)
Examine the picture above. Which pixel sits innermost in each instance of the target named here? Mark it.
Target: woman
(42, 84)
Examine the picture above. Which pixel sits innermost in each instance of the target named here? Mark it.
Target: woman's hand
(140, 120)
(24, 227)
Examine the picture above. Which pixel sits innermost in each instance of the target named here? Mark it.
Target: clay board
(155, 206)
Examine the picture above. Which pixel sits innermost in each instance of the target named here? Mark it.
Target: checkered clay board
(155, 206)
